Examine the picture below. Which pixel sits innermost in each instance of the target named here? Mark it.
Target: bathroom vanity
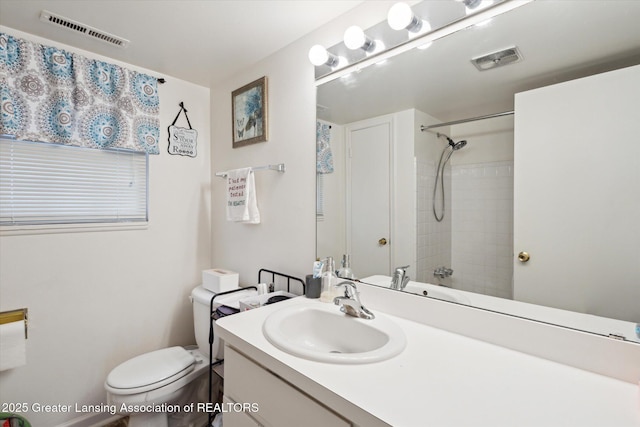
(507, 375)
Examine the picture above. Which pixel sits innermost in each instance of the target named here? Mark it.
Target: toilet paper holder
(19, 315)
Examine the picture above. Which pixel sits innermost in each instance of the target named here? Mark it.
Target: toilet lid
(151, 370)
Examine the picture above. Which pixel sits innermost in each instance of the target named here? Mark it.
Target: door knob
(382, 241)
(523, 256)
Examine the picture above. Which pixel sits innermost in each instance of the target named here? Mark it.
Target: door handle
(523, 256)
(382, 241)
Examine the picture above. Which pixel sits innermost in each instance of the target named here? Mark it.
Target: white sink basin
(324, 334)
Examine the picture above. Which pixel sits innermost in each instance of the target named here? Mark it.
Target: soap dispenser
(329, 281)
(345, 271)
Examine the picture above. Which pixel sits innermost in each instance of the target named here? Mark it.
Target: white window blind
(57, 184)
(319, 196)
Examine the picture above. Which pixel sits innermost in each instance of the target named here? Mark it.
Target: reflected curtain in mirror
(324, 163)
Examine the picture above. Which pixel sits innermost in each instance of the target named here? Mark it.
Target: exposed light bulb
(355, 38)
(318, 55)
(401, 17)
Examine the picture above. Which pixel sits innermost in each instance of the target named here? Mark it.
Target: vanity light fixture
(401, 17)
(318, 55)
(421, 39)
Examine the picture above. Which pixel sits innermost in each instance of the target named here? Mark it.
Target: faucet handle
(350, 289)
(403, 269)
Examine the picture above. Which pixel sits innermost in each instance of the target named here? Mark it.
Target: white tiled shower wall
(475, 237)
(433, 238)
(482, 237)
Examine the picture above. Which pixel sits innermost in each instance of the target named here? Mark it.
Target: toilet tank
(201, 300)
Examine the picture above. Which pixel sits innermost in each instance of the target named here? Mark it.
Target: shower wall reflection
(475, 237)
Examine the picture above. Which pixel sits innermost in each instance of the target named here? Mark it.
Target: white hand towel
(242, 204)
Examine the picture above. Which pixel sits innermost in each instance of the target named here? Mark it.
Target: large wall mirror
(532, 208)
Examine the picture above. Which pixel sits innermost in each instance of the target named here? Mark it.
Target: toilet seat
(150, 371)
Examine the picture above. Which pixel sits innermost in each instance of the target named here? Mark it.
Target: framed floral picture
(249, 113)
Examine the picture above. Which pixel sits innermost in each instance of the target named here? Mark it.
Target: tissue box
(219, 280)
(260, 300)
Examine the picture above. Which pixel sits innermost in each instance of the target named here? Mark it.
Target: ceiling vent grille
(497, 59)
(72, 25)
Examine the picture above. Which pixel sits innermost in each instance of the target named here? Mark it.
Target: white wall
(403, 214)
(96, 299)
(285, 240)
(489, 140)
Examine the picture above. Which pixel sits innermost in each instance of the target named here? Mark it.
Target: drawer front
(279, 404)
(237, 419)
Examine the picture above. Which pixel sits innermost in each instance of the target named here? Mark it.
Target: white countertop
(445, 379)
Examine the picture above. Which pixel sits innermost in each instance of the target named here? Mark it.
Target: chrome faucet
(350, 303)
(442, 272)
(400, 278)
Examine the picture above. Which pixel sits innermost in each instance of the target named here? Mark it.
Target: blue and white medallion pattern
(56, 65)
(147, 134)
(14, 54)
(51, 95)
(55, 118)
(145, 92)
(105, 80)
(104, 127)
(14, 114)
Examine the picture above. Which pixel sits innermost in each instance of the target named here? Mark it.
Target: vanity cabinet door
(279, 403)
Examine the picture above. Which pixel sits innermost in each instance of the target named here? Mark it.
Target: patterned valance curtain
(324, 164)
(50, 95)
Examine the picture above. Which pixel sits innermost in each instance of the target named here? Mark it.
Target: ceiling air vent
(70, 24)
(497, 59)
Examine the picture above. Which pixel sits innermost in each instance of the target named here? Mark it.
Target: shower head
(458, 145)
(454, 145)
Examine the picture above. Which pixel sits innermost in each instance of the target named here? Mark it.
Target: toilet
(164, 378)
